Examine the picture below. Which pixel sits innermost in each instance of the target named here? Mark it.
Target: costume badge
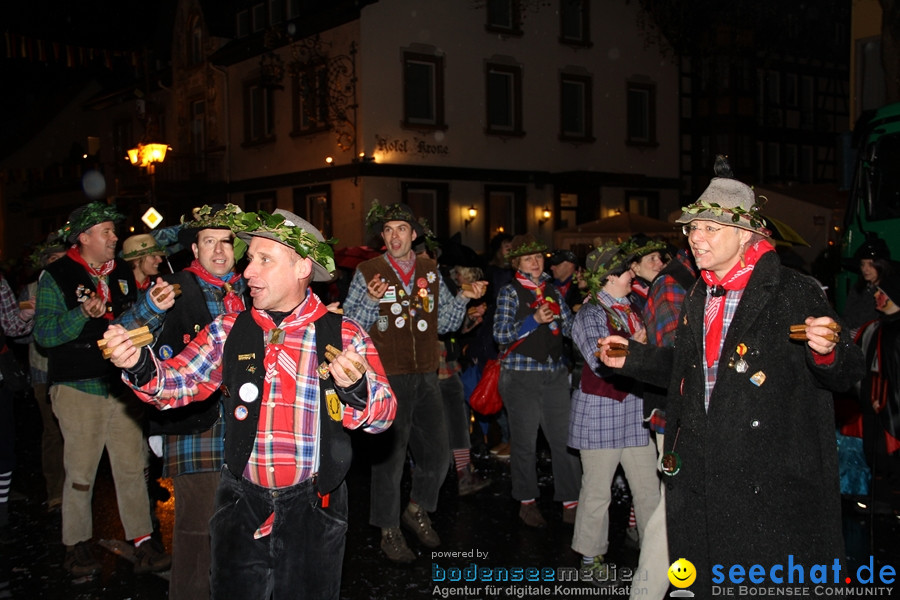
(334, 405)
(428, 302)
(399, 322)
(422, 325)
(322, 370)
(671, 463)
(82, 293)
(123, 286)
(241, 412)
(225, 391)
(249, 392)
(390, 295)
(758, 378)
(276, 336)
(248, 356)
(382, 323)
(422, 283)
(166, 352)
(396, 309)
(422, 291)
(741, 365)
(431, 276)
(186, 339)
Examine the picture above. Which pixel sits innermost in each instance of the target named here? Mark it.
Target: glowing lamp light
(147, 154)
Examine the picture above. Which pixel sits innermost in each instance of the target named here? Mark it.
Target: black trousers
(300, 558)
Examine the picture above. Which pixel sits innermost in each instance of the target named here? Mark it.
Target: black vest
(242, 362)
(540, 344)
(183, 322)
(80, 359)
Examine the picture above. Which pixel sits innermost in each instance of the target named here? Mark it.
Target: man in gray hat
(750, 461)
(404, 303)
(293, 376)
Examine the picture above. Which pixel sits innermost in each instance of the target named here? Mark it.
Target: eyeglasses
(705, 230)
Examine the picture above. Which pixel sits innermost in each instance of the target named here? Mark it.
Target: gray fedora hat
(729, 202)
(296, 233)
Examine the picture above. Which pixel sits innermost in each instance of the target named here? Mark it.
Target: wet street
(485, 525)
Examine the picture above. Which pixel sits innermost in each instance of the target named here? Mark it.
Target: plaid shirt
(193, 453)
(507, 330)
(287, 435)
(664, 305)
(598, 422)
(54, 325)
(732, 299)
(359, 306)
(10, 322)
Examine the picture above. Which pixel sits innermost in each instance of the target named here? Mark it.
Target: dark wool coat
(759, 473)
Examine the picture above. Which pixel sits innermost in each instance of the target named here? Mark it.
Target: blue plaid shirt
(594, 421)
(507, 330)
(361, 308)
(195, 453)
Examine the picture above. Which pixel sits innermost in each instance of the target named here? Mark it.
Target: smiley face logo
(682, 573)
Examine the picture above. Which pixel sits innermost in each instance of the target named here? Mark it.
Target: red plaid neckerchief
(143, 287)
(100, 274)
(233, 302)
(404, 268)
(634, 321)
(736, 279)
(539, 290)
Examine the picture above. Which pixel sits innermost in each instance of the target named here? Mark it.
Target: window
(314, 204)
(503, 16)
(123, 138)
(259, 17)
(310, 99)
(430, 202)
(504, 100)
(575, 108)
(574, 24)
(505, 209)
(276, 12)
(258, 201)
(423, 90)
(198, 134)
(259, 115)
(195, 52)
(642, 203)
(242, 26)
(641, 114)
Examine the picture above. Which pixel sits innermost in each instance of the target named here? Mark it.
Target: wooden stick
(139, 337)
(159, 298)
(801, 327)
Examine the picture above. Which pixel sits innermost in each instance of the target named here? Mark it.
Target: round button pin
(248, 392)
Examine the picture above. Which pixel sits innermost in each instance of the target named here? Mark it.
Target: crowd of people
(242, 372)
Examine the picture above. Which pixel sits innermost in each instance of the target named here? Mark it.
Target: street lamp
(147, 155)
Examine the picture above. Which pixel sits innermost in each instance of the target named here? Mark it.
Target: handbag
(485, 398)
